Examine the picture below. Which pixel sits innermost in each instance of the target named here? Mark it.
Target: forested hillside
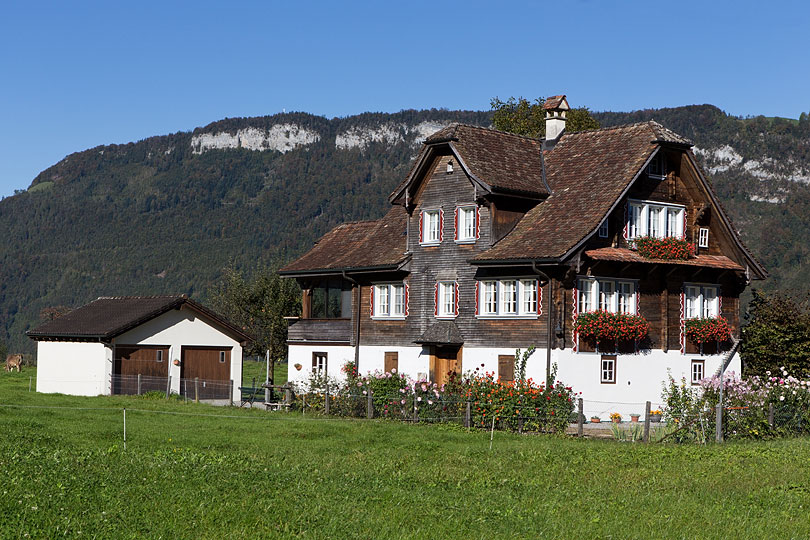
(169, 213)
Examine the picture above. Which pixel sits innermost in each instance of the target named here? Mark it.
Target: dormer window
(658, 220)
(466, 224)
(703, 237)
(430, 227)
(657, 168)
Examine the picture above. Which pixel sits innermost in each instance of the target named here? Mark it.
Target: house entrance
(444, 361)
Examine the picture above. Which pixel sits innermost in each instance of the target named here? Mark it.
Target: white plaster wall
(337, 356)
(413, 361)
(79, 369)
(176, 328)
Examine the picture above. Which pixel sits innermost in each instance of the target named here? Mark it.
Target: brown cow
(13, 361)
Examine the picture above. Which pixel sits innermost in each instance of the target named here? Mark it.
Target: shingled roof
(587, 172)
(627, 255)
(500, 161)
(110, 316)
(357, 245)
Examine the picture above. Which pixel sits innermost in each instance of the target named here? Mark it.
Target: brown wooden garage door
(211, 366)
(150, 362)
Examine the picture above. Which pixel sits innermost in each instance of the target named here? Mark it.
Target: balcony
(320, 331)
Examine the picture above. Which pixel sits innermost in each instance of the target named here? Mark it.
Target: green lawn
(251, 369)
(279, 475)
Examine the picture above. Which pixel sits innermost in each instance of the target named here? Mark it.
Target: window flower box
(669, 248)
(604, 325)
(703, 330)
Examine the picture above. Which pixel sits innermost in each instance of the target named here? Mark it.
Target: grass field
(251, 369)
(246, 474)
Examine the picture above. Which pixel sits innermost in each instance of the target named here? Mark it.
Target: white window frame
(446, 301)
(429, 234)
(498, 299)
(701, 364)
(607, 369)
(669, 222)
(657, 168)
(321, 362)
(701, 301)
(159, 355)
(607, 294)
(604, 231)
(467, 224)
(386, 301)
(703, 237)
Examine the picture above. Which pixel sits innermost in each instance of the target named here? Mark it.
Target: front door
(444, 362)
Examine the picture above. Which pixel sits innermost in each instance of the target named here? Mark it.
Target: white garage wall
(176, 328)
(79, 369)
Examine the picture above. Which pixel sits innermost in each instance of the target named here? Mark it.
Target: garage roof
(110, 316)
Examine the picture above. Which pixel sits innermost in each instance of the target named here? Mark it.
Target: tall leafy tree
(776, 334)
(523, 117)
(259, 304)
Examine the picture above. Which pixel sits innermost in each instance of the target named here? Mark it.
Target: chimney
(555, 107)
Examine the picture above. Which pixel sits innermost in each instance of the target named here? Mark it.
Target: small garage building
(131, 344)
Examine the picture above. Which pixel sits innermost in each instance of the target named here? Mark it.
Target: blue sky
(80, 74)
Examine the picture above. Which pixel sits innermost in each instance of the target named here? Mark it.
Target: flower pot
(297, 367)
(616, 420)
(655, 418)
(176, 362)
(634, 417)
(595, 420)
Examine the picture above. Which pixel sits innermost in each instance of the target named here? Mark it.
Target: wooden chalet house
(497, 242)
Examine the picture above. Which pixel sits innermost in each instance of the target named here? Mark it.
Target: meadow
(196, 471)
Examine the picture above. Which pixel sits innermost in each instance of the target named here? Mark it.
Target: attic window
(703, 237)
(657, 168)
(603, 229)
(449, 166)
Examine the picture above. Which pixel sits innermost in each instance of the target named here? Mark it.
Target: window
(222, 357)
(431, 227)
(603, 229)
(608, 369)
(446, 299)
(509, 298)
(698, 369)
(703, 237)
(319, 363)
(159, 355)
(389, 300)
(702, 301)
(506, 368)
(654, 219)
(615, 296)
(331, 299)
(466, 224)
(658, 167)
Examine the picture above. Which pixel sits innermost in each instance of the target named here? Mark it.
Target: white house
(130, 344)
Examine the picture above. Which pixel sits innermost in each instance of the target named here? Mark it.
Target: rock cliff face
(168, 213)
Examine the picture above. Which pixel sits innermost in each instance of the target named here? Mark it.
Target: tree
(3, 351)
(776, 335)
(522, 117)
(259, 305)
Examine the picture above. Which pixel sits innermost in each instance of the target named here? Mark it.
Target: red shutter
(477, 223)
(625, 231)
(683, 321)
(455, 224)
(421, 220)
(455, 287)
(436, 301)
(371, 301)
(406, 299)
(574, 333)
(477, 293)
(684, 225)
(539, 298)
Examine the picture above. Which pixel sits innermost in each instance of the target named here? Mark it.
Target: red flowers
(669, 248)
(711, 329)
(607, 325)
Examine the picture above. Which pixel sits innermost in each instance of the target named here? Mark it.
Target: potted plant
(605, 326)
(615, 417)
(669, 248)
(297, 367)
(655, 415)
(634, 417)
(702, 330)
(595, 419)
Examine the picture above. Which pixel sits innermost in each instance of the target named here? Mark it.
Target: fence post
(647, 408)
(168, 386)
(326, 402)
(30, 379)
(139, 384)
(369, 404)
(414, 411)
(196, 389)
(230, 394)
(125, 428)
(770, 415)
(468, 415)
(580, 418)
(718, 423)
(288, 395)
